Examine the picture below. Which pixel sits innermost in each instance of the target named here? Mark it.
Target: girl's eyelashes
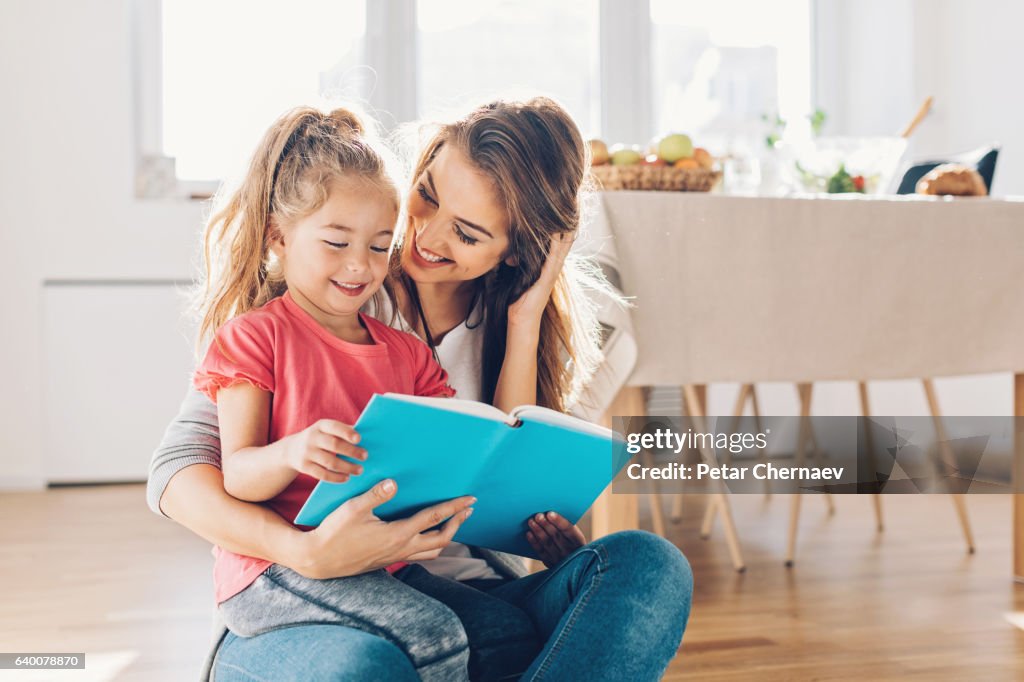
(463, 237)
(342, 245)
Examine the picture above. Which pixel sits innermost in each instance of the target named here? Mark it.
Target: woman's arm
(194, 496)
(517, 381)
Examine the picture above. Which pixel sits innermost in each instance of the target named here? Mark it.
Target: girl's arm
(255, 470)
(517, 381)
(185, 484)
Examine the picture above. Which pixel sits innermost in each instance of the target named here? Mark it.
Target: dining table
(809, 288)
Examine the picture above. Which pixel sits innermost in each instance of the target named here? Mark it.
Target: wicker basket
(659, 178)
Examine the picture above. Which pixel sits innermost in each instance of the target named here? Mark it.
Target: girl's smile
(335, 258)
(350, 289)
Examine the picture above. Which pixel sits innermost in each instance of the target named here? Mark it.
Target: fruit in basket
(654, 160)
(599, 153)
(703, 158)
(688, 162)
(626, 155)
(676, 146)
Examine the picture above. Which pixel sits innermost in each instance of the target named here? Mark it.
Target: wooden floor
(91, 569)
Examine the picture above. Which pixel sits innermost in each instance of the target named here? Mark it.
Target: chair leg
(695, 408)
(654, 497)
(746, 392)
(805, 391)
(947, 456)
(763, 459)
(865, 410)
(677, 501)
(819, 461)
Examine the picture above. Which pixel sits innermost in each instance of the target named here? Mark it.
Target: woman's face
(458, 227)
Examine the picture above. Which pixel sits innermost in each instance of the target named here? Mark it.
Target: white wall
(891, 54)
(66, 176)
(66, 193)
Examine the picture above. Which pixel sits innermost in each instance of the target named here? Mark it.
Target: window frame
(390, 43)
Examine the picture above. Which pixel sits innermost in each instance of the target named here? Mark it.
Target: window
(471, 50)
(716, 75)
(231, 67)
(227, 68)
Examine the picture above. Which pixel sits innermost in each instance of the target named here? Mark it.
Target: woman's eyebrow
(430, 181)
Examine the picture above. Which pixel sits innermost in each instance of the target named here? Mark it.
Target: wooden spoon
(921, 113)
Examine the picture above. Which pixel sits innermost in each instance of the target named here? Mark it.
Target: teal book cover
(532, 460)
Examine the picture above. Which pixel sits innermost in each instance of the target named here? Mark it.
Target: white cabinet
(116, 365)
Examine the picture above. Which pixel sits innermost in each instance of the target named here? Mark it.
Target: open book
(532, 460)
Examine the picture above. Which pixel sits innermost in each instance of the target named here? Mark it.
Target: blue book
(516, 465)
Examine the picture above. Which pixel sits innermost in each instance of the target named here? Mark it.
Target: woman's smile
(426, 257)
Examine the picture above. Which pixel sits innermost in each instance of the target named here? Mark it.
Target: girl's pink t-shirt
(313, 375)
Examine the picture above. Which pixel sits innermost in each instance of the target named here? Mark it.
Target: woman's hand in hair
(353, 540)
(529, 308)
(553, 537)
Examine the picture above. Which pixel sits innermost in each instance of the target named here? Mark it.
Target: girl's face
(458, 228)
(336, 258)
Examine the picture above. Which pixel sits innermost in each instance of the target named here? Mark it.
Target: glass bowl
(869, 162)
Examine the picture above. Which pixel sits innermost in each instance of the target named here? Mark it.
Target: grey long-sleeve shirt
(193, 437)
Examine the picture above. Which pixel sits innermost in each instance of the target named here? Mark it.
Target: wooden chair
(805, 439)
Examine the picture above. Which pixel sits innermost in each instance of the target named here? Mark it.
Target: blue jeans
(614, 609)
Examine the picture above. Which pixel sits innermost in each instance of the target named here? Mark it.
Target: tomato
(858, 182)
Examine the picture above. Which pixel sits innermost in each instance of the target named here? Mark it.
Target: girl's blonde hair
(534, 154)
(289, 177)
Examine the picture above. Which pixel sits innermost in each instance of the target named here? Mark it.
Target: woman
(481, 275)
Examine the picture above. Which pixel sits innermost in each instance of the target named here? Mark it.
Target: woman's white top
(461, 354)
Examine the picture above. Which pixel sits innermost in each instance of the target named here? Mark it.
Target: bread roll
(954, 179)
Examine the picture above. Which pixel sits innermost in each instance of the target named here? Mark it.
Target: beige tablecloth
(800, 289)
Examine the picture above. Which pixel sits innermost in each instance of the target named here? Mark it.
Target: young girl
(293, 363)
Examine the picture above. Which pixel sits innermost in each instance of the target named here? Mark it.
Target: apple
(626, 155)
(598, 153)
(674, 147)
(703, 157)
(654, 160)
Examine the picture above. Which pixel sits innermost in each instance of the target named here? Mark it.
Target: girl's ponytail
(288, 177)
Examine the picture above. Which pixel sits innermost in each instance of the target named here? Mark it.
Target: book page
(470, 407)
(543, 415)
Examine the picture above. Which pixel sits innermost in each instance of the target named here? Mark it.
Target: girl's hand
(553, 537)
(528, 308)
(352, 540)
(314, 451)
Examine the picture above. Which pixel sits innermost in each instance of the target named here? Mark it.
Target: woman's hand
(553, 537)
(352, 540)
(314, 451)
(528, 308)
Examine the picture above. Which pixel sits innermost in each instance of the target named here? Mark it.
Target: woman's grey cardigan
(194, 438)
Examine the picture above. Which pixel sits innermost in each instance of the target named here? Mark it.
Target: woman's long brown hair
(534, 154)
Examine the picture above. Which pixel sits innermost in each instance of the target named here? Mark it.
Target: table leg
(1018, 478)
(612, 513)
